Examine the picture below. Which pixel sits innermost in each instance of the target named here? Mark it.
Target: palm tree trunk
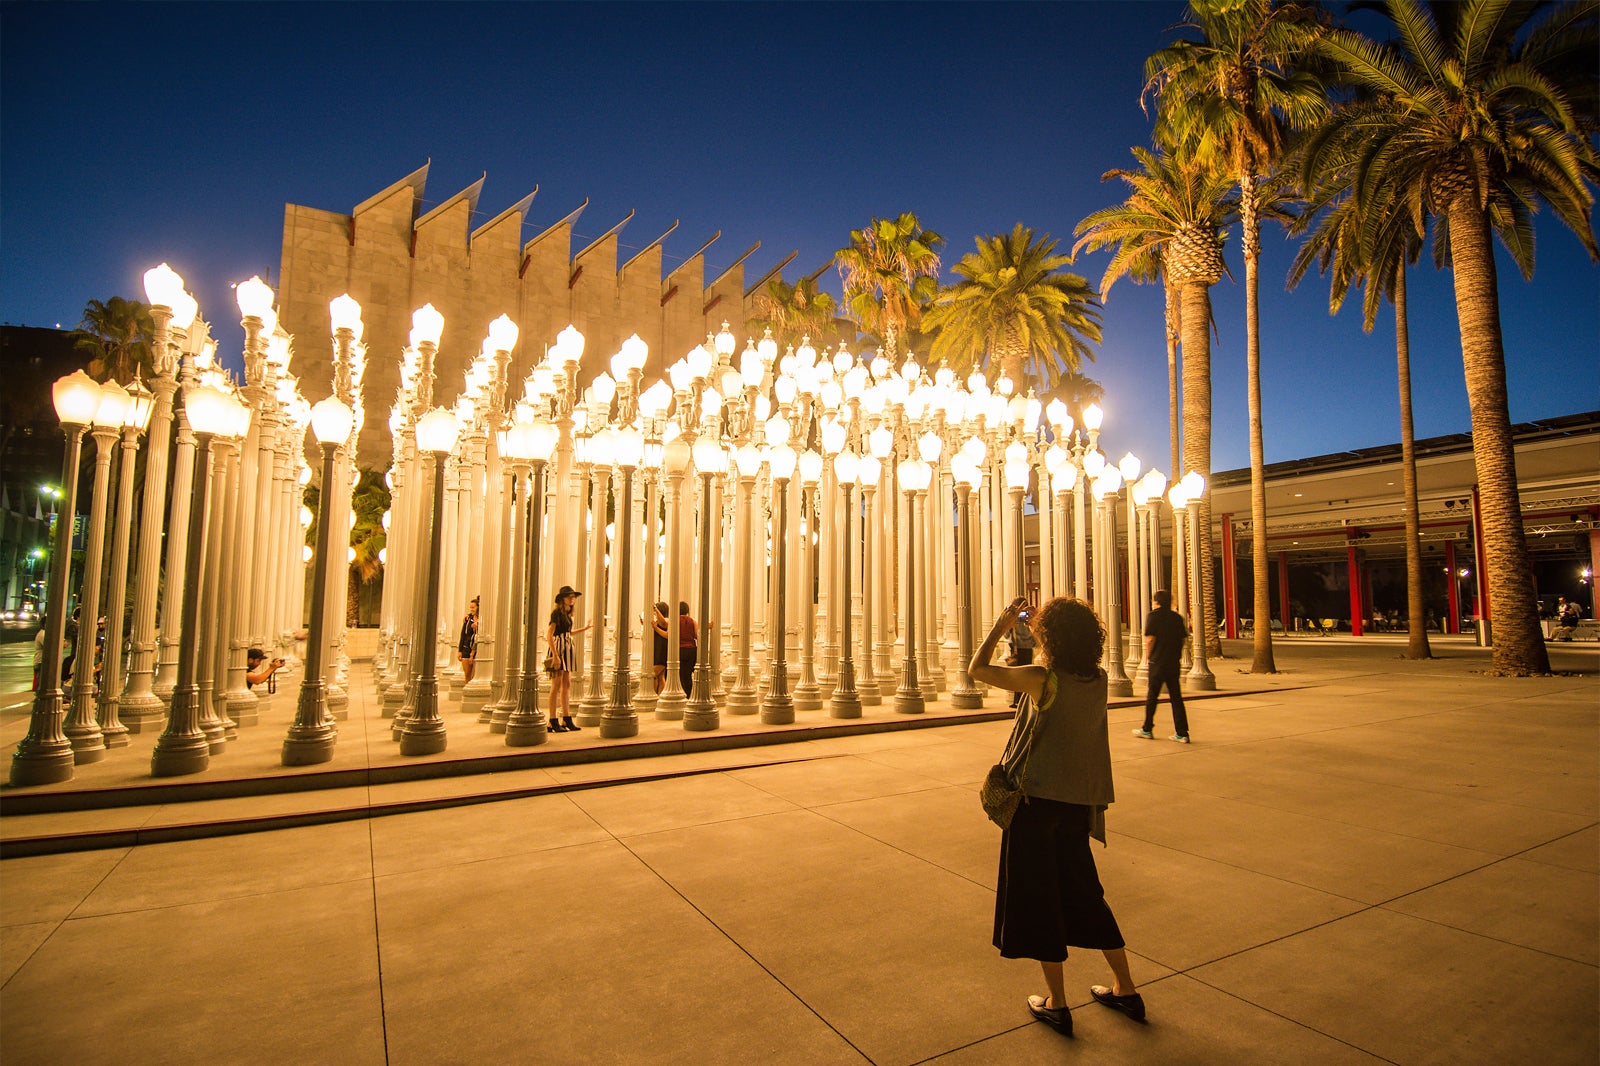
(1416, 608)
(1519, 647)
(1261, 621)
(1196, 300)
(1174, 317)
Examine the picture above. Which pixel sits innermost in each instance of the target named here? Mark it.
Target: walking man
(1164, 634)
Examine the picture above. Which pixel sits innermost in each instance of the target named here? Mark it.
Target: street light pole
(527, 725)
(45, 755)
(700, 713)
(423, 732)
(1200, 677)
(908, 697)
(777, 707)
(845, 702)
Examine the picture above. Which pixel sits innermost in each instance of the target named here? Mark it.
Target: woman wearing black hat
(561, 659)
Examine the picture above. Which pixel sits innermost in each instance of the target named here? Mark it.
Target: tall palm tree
(1015, 307)
(1375, 257)
(1234, 95)
(794, 312)
(890, 271)
(116, 334)
(1172, 222)
(1483, 112)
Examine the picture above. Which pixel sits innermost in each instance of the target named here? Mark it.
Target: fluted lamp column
(1105, 494)
(914, 476)
(1130, 466)
(700, 713)
(82, 729)
(535, 442)
(743, 698)
(182, 747)
(968, 473)
(619, 718)
(807, 693)
(44, 757)
(868, 471)
(672, 702)
(135, 420)
(1200, 677)
(313, 732)
(846, 701)
(777, 706)
(423, 733)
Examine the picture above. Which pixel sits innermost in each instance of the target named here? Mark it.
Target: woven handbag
(1001, 790)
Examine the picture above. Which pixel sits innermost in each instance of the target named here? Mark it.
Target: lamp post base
(670, 707)
(701, 719)
(844, 705)
(966, 699)
(47, 762)
(743, 700)
(182, 755)
(308, 750)
(615, 725)
(526, 734)
(777, 710)
(1200, 681)
(418, 739)
(909, 700)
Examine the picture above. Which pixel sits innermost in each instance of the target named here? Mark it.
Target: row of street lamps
(517, 487)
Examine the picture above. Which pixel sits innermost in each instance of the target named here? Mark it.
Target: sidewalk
(1369, 860)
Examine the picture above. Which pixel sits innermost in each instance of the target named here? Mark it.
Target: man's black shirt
(1167, 626)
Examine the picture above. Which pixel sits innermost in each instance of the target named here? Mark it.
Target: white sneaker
(1145, 733)
(1179, 739)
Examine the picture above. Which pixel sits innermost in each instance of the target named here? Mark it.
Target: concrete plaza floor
(1364, 859)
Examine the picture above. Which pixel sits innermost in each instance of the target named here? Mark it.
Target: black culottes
(1049, 896)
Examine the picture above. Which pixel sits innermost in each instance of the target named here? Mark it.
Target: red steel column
(1354, 582)
(1283, 591)
(1452, 623)
(1230, 580)
(1594, 558)
(1480, 580)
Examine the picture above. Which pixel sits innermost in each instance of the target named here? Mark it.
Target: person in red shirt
(688, 647)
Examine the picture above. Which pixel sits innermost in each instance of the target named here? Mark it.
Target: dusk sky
(136, 134)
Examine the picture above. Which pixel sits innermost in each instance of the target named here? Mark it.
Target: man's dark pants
(1170, 677)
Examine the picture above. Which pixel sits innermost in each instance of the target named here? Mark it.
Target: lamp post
(1105, 492)
(808, 694)
(182, 747)
(1016, 475)
(968, 475)
(845, 702)
(929, 447)
(913, 477)
(88, 743)
(671, 703)
(619, 718)
(742, 699)
(868, 470)
(1129, 466)
(44, 757)
(777, 708)
(313, 732)
(710, 459)
(1200, 677)
(423, 732)
(1178, 498)
(515, 513)
(135, 420)
(527, 725)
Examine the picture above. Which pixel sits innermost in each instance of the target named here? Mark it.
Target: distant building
(392, 259)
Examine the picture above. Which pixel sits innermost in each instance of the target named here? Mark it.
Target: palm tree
(1233, 96)
(1483, 112)
(1172, 223)
(1077, 390)
(1375, 257)
(890, 272)
(794, 312)
(1015, 307)
(116, 334)
(368, 503)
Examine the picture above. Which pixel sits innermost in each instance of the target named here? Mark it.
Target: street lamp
(313, 732)
(968, 476)
(743, 698)
(676, 456)
(619, 718)
(44, 757)
(423, 732)
(1105, 489)
(182, 747)
(527, 726)
(868, 471)
(1200, 678)
(845, 702)
(914, 476)
(1129, 466)
(807, 694)
(136, 418)
(88, 743)
(777, 708)
(710, 459)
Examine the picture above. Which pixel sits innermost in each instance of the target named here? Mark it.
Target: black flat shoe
(1057, 1018)
(1132, 1006)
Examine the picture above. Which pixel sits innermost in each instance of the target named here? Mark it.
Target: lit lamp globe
(113, 405)
(427, 326)
(629, 447)
(1056, 413)
(1093, 417)
(331, 420)
(811, 468)
(699, 362)
(748, 460)
(503, 334)
(345, 314)
(209, 410)
(767, 349)
(164, 288)
(834, 434)
(542, 439)
(929, 447)
(675, 457)
(604, 389)
(778, 432)
(76, 398)
(868, 471)
(1129, 466)
(1093, 463)
(1194, 485)
(1016, 472)
(255, 298)
(724, 342)
(569, 347)
(709, 456)
(1155, 484)
(437, 431)
(846, 466)
(781, 461)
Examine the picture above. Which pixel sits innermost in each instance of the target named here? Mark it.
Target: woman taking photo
(561, 659)
(1049, 896)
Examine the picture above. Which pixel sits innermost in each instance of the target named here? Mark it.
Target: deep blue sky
(133, 134)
